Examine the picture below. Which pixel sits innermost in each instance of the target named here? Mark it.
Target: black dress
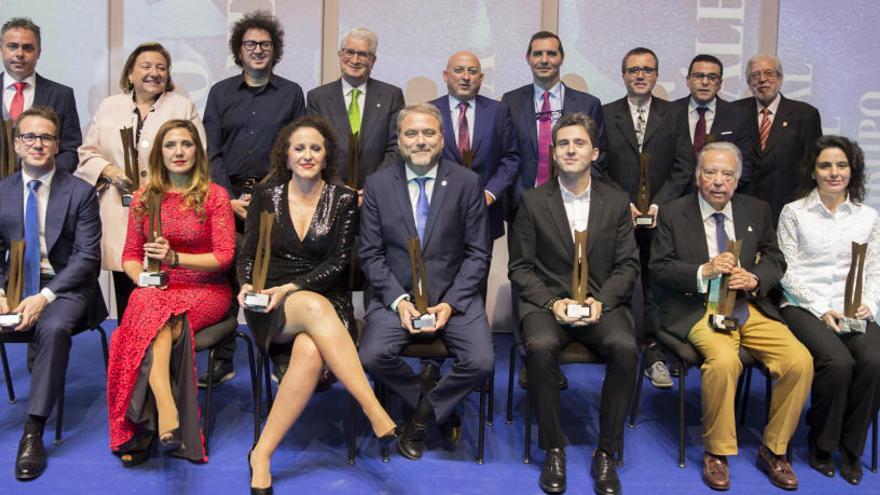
(319, 263)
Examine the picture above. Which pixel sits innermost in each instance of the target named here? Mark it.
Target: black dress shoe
(31, 460)
(171, 441)
(428, 377)
(605, 480)
(553, 473)
(325, 381)
(850, 467)
(256, 491)
(451, 432)
(222, 372)
(411, 443)
(821, 461)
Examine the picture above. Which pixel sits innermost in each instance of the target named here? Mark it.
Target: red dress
(203, 297)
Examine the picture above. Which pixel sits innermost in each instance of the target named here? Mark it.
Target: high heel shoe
(256, 491)
(387, 439)
(171, 441)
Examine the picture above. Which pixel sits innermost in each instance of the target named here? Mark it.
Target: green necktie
(354, 112)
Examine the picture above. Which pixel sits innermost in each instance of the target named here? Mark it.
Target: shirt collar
(692, 105)
(814, 202)
(570, 196)
(242, 84)
(346, 88)
(633, 108)
(455, 102)
(410, 175)
(707, 210)
(45, 179)
(773, 106)
(31, 81)
(555, 92)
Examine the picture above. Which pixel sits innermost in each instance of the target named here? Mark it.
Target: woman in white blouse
(816, 233)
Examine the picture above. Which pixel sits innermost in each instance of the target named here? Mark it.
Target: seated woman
(815, 234)
(311, 241)
(151, 385)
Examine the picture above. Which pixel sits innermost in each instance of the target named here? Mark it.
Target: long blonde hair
(159, 182)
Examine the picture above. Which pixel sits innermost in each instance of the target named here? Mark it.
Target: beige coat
(103, 145)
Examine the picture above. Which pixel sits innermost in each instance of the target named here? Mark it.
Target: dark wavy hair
(259, 19)
(854, 156)
(278, 170)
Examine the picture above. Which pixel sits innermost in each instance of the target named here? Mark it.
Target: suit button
(143, 173)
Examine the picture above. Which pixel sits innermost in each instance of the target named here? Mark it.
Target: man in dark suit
(57, 216)
(637, 125)
(23, 88)
(783, 131)
(542, 250)
(358, 103)
(539, 105)
(688, 259)
(704, 117)
(441, 204)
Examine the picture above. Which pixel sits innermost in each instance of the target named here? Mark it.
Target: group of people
(359, 189)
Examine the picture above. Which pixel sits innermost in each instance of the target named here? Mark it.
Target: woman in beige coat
(148, 101)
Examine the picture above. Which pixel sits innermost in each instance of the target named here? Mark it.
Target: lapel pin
(784, 123)
(378, 105)
(749, 228)
(443, 183)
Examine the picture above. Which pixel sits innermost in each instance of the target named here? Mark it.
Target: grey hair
(361, 34)
(419, 108)
(722, 146)
(754, 59)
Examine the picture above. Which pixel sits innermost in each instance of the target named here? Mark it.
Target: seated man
(541, 256)
(688, 256)
(441, 204)
(62, 257)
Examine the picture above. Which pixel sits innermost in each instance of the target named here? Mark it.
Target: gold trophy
(722, 299)
(353, 169)
(153, 276)
(254, 300)
(853, 297)
(131, 166)
(15, 284)
(8, 161)
(420, 285)
(579, 279)
(643, 197)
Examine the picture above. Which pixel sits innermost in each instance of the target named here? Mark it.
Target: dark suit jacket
(671, 152)
(522, 104)
(495, 159)
(679, 248)
(456, 244)
(72, 230)
(542, 248)
(59, 98)
(731, 125)
(795, 129)
(378, 135)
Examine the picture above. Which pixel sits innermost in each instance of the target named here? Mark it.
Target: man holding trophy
(575, 286)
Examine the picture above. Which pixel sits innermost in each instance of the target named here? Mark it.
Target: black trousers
(846, 382)
(647, 338)
(613, 338)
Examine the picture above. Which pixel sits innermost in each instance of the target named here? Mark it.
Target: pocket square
(725, 133)
(749, 228)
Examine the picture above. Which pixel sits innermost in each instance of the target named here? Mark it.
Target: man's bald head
(463, 75)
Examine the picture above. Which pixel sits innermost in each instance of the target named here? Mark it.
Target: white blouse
(817, 245)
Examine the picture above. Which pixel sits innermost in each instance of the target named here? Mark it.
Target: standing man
(688, 259)
(357, 103)
(242, 118)
(539, 105)
(442, 205)
(783, 131)
(24, 88)
(57, 215)
(638, 125)
(542, 250)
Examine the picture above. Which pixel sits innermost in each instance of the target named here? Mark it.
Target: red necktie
(17, 105)
(545, 125)
(765, 127)
(464, 135)
(700, 131)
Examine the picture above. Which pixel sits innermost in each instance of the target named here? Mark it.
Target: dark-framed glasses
(634, 71)
(251, 45)
(30, 138)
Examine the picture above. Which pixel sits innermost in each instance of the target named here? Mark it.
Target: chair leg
(210, 386)
(267, 375)
(874, 446)
(640, 379)
(490, 414)
(481, 441)
(744, 404)
(103, 336)
(255, 386)
(527, 444)
(509, 418)
(59, 416)
(6, 375)
(383, 399)
(681, 427)
(352, 426)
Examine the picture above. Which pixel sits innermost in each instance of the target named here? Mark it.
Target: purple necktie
(464, 135)
(545, 137)
(700, 138)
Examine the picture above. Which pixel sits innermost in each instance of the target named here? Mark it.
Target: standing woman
(815, 234)
(148, 101)
(310, 304)
(151, 384)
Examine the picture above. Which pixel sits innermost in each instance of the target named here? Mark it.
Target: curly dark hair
(259, 19)
(854, 156)
(279, 172)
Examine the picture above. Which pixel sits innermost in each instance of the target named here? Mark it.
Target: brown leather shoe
(716, 475)
(777, 468)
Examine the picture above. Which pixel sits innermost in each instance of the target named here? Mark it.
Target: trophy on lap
(579, 279)
(255, 300)
(643, 198)
(852, 299)
(154, 276)
(15, 285)
(130, 158)
(722, 299)
(420, 285)
(8, 161)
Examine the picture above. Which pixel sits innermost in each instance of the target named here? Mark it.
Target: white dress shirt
(634, 111)
(9, 92)
(706, 212)
(42, 206)
(577, 207)
(362, 97)
(470, 115)
(817, 248)
(773, 107)
(694, 116)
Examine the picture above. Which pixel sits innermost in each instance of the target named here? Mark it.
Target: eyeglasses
(699, 76)
(348, 53)
(634, 71)
(251, 45)
(30, 138)
(764, 74)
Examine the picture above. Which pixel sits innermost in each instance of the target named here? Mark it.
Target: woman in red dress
(151, 384)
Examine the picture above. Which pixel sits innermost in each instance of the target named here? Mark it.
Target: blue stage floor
(312, 458)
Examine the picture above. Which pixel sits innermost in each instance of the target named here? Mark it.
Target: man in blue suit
(24, 88)
(442, 205)
(57, 216)
(539, 105)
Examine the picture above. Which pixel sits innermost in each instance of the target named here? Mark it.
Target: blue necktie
(740, 309)
(422, 206)
(31, 242)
